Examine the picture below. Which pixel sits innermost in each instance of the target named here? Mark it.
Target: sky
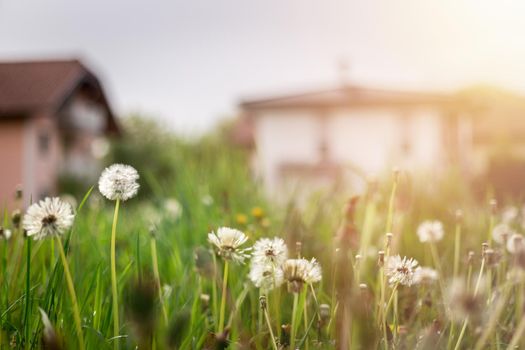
(189, 63)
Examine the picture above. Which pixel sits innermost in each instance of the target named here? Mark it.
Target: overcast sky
(188, 62)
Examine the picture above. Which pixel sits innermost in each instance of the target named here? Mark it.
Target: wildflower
(207, 200)
(501, 233)
(5, 233)
(509, 214)
(430, 231)
(381, 258)
(270, 251)
(257, 212)
(241, 219)
(173, 208)
(49, 217)
(300, 271)
(19, 192)
(50, 339)
(205, 300)
(492, 257)
(16, 217)
(515, 243)
(401, 270)
(119, 181)
(425, 275)
(166, 291)
(228, 241)
(265, 222)
(463, 303)
(266, 277)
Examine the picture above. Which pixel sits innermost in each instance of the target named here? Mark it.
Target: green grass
(170, 299)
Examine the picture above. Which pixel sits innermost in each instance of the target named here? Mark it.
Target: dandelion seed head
(515, 243)
(425, 275)
(300, 271)
(119, 181)
(207, 200)
(501, 233)
(5, 234)
(227, 242)
(173, 208)
(49, 217)
(509, 214)
(266, 276)
(400, 270)
(462, 302)
(430, 231)
(270, 251)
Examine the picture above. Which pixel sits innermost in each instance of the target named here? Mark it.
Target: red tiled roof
(29, 86)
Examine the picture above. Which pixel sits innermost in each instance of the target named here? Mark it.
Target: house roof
(27, 87)
(348, 96)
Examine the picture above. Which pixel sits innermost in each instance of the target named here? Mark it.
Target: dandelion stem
(223, 296)
(28, 290)
(114, 290)
(214, 290)
(294, 320)
(476, 288)
(385, 314)
(72, 294)
(437, 263)
(494, 318)
(457, 248)
(269, 324)
(461, 334)
(391, 202)
(155, 263)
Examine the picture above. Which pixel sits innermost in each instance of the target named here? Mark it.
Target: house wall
(365, 141)
(11, 161)
(282, 137)
(42, 157)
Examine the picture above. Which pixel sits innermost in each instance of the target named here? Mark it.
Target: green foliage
(211, 180)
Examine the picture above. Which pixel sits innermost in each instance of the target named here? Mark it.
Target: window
(43, 143)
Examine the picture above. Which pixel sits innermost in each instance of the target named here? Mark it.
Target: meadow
(179, 288)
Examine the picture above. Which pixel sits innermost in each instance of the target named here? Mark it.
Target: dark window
(43, 194)
(43, 143)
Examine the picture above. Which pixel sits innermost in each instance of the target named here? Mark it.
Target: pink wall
(11, 159)
(41, 167)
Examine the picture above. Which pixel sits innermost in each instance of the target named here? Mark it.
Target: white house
(342, 136)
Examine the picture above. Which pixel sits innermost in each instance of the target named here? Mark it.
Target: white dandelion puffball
(49, 217)
(119, 181)
(173, 208)
(400, 270)
(266, 277)
(270, 251)
(227, 241)
(5, 233)
(430, 231)
(515, 243)
(463, 302)
(509, 214)
(425, 275)
(300, 271)
(501, 232)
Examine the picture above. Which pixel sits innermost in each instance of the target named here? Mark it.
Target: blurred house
(343, 136)
(54, 121)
